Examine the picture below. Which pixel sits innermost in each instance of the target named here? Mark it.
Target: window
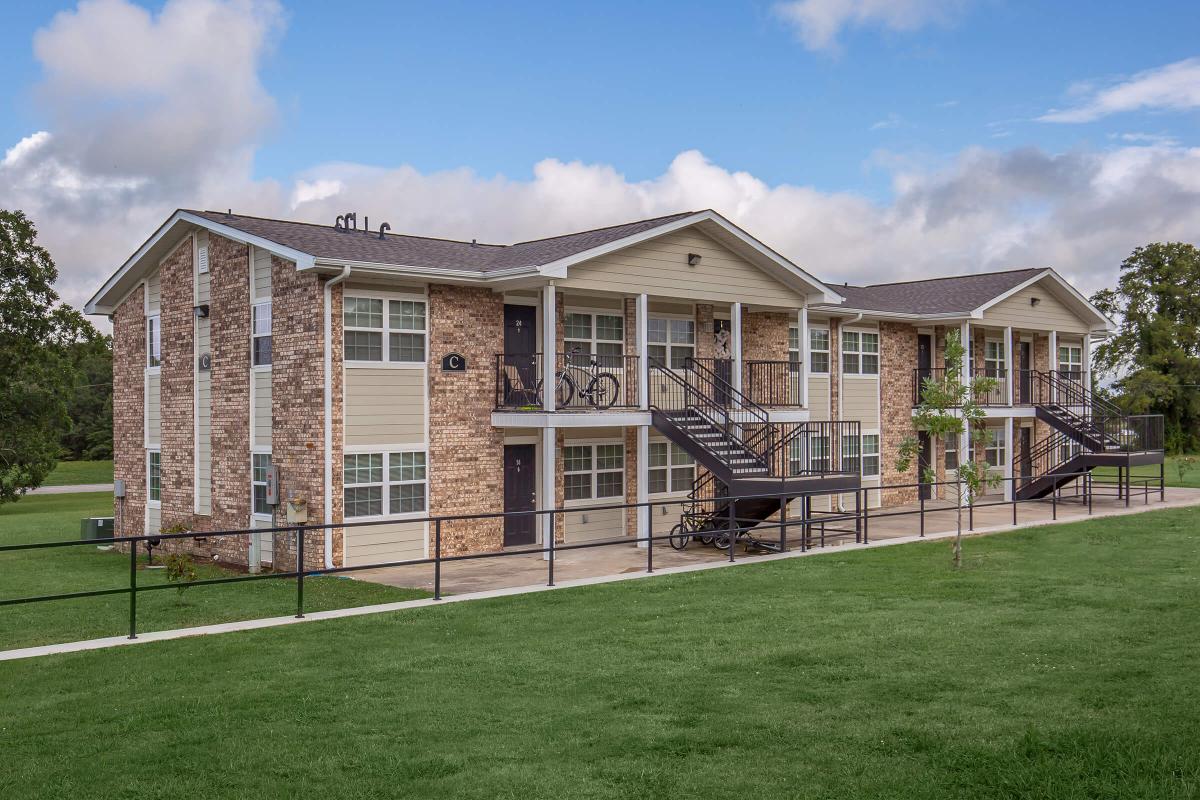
(993, 453)
(154, 476)
(818, 350)
(860, 353)
(259, 463)
(993, 359)
(870, 454)
(1068, 450)
(951, 452)
(794, 354)
(366, 328)
(850, 453)
(593, 471)
(809, 455)
(260, 326)
(671, 468)
(1070, 362)
(153, 341)
(819, 449)
(384, 484)
(602, 335)
(670, 342)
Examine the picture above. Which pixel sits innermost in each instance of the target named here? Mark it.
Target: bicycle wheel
(564, 391)
(680, 536)
(603, 389)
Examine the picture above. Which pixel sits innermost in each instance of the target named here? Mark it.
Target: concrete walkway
(78, 487)
(691, 560)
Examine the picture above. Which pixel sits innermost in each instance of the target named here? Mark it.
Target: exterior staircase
(741, 452)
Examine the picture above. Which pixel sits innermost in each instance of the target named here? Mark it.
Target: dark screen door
(1026, 381)
(1026, 464)
(924, 363)
(924, 462)
(519, 494)
(520, 345)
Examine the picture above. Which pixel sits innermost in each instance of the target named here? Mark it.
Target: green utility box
(96, 528)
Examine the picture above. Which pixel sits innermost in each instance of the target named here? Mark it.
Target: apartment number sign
(454, 362)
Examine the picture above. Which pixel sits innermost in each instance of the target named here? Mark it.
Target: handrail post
(1087, 487)
(1013, 493)
(550, 559)
(133, 590)
(782, 524)
(300, 572)
(857, 513)
(732, 526)
(648, 511)
(1054, 503)
(866, 507)
(921, 496)
(970, 513)
(437, 559)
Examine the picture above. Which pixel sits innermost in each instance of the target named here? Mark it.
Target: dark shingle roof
(324, 242)
(952, 295)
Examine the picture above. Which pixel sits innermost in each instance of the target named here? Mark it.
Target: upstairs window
(370, 322)
(993, 359)
(602, 335)
(154, 476)
(1070, 362)
(818, 350)
(153, 341)
(260, 334)
(671, 342)
(860, 353)
(794, 354)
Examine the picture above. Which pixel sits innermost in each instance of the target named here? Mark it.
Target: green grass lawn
(1059, 663)
(39, 518)
(74, 473)
(1191, 478)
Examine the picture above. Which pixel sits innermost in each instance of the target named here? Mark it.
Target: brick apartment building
(393, 377)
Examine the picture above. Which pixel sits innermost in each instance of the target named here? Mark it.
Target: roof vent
(382, 228)
(472, 243)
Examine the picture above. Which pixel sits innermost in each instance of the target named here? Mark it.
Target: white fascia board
(1104, 323)
(409, 271)
(93, 306)
(956, 316)
(558, 269)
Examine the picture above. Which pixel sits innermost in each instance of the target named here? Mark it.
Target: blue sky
(851, 110)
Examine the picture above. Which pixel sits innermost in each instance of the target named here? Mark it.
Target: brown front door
(520, 483)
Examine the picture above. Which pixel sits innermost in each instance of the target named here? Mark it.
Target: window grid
(259, 463)
(860, 353)
(599, 334)
(379, 484)
(818, 350)
(870, 454)
(367, 327)
(1070, 361)
(993, 452)
(670, 342)
(153, 341)
(993, 359)
(261, 334)
(670, 468)
(593, 471)
(154, 476)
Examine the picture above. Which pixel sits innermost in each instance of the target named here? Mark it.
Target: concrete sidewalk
(78, 487)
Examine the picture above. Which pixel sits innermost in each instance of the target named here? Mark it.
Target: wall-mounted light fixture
(1033, 301)
(693, 259)
(201, 312)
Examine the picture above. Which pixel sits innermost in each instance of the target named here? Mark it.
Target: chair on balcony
(521, 386)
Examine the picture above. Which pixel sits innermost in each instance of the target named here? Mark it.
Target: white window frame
(153, 344)
(255, 336)
(995, 362)
(803, 453)
(594, 471)
(1071, 365)
(996, 448)
(152, 503)
(869, 451)
(858, 353)
(386, 482)
(607, 360)
(678, 460)
(386, 330)
(814, 350)
(852, 452)
(671, 346)
(254, 484)
(951, 446)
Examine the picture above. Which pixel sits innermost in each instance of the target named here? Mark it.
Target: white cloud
(1173, 87)
(819, 22)
(1081, 212)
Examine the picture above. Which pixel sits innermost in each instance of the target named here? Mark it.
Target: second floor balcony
(1028, 387)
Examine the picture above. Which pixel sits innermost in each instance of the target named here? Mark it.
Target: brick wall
(177, 383)
(298, 403)
(705, 345)
(466, 454)
(898, 355)
(129, 410)
(337, 413)
(765, 336)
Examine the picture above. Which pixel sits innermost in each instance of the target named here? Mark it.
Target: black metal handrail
(752, 415)
(996, 396)
(773, 383)
(583, 381)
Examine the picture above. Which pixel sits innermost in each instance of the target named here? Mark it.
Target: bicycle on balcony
(593, 387)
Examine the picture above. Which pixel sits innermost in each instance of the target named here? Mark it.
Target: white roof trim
(558, 269)
(93, 306)
(1105, 323)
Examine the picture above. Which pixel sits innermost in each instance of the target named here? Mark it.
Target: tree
(1155, 354)
(36, 374)
(90, 403)
(948, 408)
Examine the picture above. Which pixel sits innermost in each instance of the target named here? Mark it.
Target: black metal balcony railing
(996, 396)
(582, 381)
(772, 383)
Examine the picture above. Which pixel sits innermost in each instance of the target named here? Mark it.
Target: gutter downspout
(842, 397)
(328, 516)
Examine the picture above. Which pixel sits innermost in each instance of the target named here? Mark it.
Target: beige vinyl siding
(860, 401)
(262, 408)
(659, 267)
(607, 524)
(203, 290)
(571, 301)
(266, 541)
(153, 293)
(384, 406)
(153, 520)
(1049, 314)
(818, 397)
(262, 273)
(663, 518)
(374, 544)
(677, 309)
(153, 410)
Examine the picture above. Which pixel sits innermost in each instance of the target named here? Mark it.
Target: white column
(643, 482)
(1087, 361)
(549, 340)
(1008, 363)
(802, 323)
(643, 347)
(1053, 366)
(548, 442)
(1009, 452)
(735, 332)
